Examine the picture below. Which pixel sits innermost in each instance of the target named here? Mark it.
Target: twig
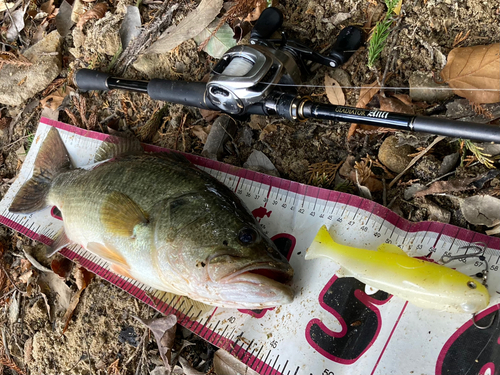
(12, 282)
(145, 39)
(415, 159)
(392, 48)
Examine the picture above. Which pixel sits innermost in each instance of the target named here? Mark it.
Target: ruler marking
(265, 361)
(221, 335)
(237, 184)
(186, 315)
(257, 356)
(355, 214)
(213, 330)
(274, 364)
(296, 370)
(236, 342)
(284, 367)
(248, 347)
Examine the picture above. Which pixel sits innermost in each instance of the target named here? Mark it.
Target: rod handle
(87, 80)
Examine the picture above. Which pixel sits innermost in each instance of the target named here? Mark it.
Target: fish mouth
(256, 273)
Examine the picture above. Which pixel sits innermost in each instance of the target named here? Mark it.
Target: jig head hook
(480, 248)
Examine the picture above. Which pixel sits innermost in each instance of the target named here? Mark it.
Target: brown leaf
(255, 14)
(201, 132)
(474, 73)
(267, 130)
(48, 7)
(83, 279)
(62, 267)
(334, 91)
(394, 105)
(98, 11)
(209, 115)
(164, 332)
(438, 187)
(54, 100)
(365, 95)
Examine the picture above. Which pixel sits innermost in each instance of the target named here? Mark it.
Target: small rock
(424, 89)
(436, 213)
(449, 162)
(246, 136)
(427, 168)
(259, 162)
(19, 83)
(393, 157)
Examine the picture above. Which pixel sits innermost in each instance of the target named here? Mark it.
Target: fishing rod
(262, 79)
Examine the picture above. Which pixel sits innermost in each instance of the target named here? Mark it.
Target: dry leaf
(255, 14)
(201, 132)
(334, 91)
(394, 105)
(54, 100)
(62, 267)
(98, 11)
(474, 73)
(209, 115)
(481, 210)
(267, 130)
(164, 332)
(83, 279)
(365, 95)
(397, 9)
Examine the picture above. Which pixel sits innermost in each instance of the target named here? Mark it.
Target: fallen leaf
(220, 41)
(397, 8)
(54, 100)
(4, 5)
(63, 18)
(131, 26)
(438, 187)
(209, 115)
(98, 11)
(83, 279)
(164, 332)
(62, 267)
(267, 130)
(17, 24)
(201, 132)
(48, 7)
(188, 369)
(474, 73)
(365, 95)
(188, 28)
(391, 104)
(334, 91)
(481, 210)
(227, 364)
(493, 231)
(24, 278)
(255, 14)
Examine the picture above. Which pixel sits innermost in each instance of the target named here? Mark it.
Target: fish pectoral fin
(118, 146)
(390, 248)
(60, 241)
(121, 270)
(108, 253)
(120, 214)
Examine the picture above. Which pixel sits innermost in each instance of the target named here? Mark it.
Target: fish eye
(471, 284)
(247, 236)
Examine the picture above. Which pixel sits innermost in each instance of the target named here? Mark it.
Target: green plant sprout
(381, 32)
(477, 151)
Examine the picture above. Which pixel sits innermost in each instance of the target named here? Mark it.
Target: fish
(158, 219)
(422, 283)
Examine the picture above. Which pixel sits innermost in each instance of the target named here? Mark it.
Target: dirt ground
(103, 337)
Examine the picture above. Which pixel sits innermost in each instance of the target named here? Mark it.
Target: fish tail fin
(52, 159)
(322, 245)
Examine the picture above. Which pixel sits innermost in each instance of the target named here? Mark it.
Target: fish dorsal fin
(120, 214)
(60, 241)
(117, 146)
(109, 253)
(390, 248)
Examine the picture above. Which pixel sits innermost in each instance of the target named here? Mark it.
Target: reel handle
(269, 21)
(348, 41)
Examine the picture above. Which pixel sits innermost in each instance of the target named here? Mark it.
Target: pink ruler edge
(310, 191)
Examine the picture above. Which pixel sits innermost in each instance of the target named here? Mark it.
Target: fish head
(219, 249)
(470, 296)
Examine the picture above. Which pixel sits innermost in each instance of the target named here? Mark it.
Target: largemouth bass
(422, 283)
(160, 220)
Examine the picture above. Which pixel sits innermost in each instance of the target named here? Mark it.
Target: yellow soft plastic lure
(422, 283)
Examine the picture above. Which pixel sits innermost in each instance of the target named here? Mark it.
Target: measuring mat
(335, 325)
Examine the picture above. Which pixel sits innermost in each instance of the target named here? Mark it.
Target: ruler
(335, 325)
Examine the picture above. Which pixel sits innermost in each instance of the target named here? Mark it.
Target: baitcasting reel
(246, 75)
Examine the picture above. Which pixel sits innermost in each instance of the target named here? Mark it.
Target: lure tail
(52, 160)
